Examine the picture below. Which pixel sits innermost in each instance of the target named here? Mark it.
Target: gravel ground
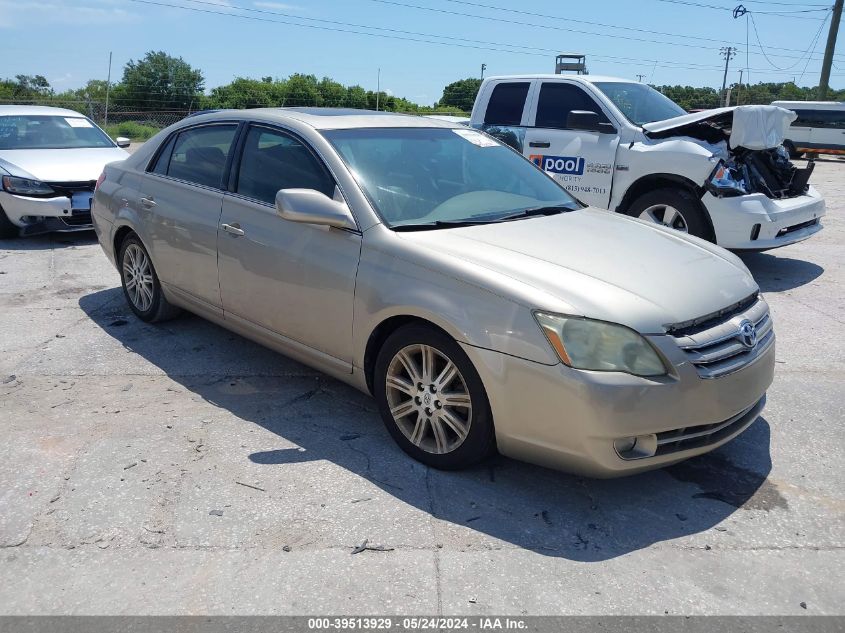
(180, 469)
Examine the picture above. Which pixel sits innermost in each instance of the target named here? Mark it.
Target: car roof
(18, 110)
(331, 118)
(589, 79)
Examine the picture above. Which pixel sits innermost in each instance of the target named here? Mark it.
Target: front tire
(7, 229)
(676, 208)
(141, 286)
(432, 400)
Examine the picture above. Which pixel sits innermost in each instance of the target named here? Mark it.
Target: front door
(294, 279)
(581, 161)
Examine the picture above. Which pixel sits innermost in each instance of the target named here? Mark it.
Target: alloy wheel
(666, 215)
(428, 398)
(138, 277)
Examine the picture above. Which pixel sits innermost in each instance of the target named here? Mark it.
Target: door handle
(148, 203)
(539, 144)
(232, 229)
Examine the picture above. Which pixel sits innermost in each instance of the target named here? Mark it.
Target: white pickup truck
(720, 174)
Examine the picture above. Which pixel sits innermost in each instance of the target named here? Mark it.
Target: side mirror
(313, 207)
(122, 141)
(588, 122)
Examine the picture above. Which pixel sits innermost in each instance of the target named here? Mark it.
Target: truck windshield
(50, 132)
(437, 177)
(638, 102)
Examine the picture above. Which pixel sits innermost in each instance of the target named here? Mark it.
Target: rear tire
(432, 400)
(676, 208)
(7, 229)
(141, 286)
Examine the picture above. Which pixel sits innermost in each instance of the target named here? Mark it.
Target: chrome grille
(719, 349)
(707, 434)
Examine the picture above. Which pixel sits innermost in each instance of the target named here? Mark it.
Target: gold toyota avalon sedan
(430, 265)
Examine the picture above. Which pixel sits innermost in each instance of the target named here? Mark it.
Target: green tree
(356, 97)
(460, 94)
(246, 93)
(302, 90)
(31, 87)
(160, 82)
(332, 93)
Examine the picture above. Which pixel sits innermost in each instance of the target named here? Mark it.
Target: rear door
(181, 201)
(581, 161)
(294, 279)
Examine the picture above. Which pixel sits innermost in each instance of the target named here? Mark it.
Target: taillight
(100, 181)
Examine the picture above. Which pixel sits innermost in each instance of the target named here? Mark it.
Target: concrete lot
(180, 469)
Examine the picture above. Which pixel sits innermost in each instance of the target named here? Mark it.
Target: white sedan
(50, 159)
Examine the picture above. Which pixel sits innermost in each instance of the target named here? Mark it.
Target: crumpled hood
(596, 264)
(754, 127)
(59, 165)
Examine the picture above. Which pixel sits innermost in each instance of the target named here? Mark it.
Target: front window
(639, 103)
(50, 132)
(434, 176)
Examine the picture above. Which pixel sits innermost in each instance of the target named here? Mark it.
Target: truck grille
(722, 347)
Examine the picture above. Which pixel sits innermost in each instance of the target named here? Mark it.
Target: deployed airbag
(760, 127)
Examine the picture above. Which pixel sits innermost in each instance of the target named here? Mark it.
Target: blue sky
(69, 41)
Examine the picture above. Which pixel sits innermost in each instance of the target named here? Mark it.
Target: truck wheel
(794, 154)
(432, 400)
(140, 283)
(675, 208)
(7, 229)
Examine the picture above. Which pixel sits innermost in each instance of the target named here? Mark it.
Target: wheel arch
(651, 182)
(381, 333)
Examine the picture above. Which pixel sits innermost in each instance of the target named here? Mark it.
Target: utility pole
(728, 53)
(108, 87)
(483, 68)
(828, 51)
(739, 87)
(378, 88)
(640, 78)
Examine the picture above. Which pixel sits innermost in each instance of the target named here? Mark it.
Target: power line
(404, 35)
(536, 25)
(724, 8)
(811, 46)
(611, 26)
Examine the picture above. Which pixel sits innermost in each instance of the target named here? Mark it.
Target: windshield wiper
(533, 211)
(439, 224)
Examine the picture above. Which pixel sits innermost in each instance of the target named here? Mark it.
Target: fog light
(625, 444)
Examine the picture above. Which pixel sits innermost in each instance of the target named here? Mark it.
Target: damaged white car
(722, 174)
(50, 159)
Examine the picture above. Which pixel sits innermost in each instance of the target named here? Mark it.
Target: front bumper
(569, 419)
(39, 215)
(781, 222)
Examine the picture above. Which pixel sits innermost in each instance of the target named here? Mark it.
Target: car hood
(754, 127)
(59, 165)
(596, 264)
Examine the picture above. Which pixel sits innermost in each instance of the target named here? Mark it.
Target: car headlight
(600, 346)
(26, 187)
(723, 182)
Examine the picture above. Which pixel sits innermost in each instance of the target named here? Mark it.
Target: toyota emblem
(748, 333)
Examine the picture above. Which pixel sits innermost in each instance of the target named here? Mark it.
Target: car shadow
(535, 508)
(47, 241)
(774, 273)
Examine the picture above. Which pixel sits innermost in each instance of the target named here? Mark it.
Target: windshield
(50, 132)
(640, 103)
(419, 176)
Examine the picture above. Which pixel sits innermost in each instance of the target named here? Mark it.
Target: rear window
(506, 103)
(820, 118)
(198, 155)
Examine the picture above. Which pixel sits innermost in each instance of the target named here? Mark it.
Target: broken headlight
(725, 181)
